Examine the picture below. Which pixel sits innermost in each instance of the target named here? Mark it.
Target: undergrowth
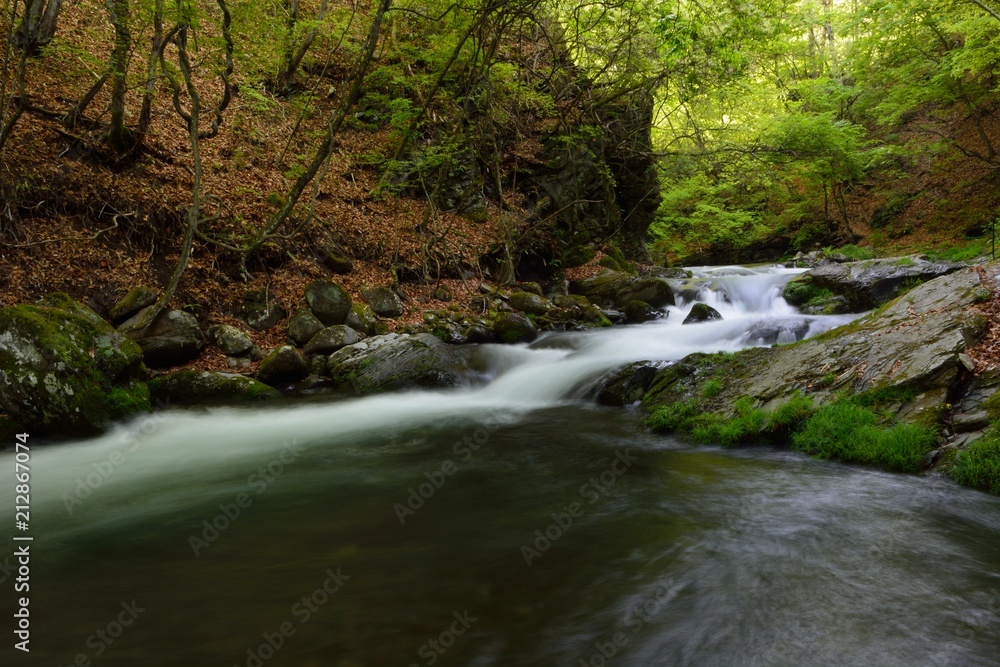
(978, 466)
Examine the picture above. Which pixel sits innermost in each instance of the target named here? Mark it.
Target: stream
(508, 523)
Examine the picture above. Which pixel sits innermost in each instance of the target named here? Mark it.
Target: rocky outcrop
(859, 286)
(173, 338)
(64, 370)
(916, 343)
(626, 385)
(613, 289)
(393, 362)
(208, 387)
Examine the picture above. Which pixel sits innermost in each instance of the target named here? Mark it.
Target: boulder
(229, 339)
(362, 318)
(613, 289)
(514, 328)
(132, 303)
(776, 331)
(260, 311)
(202, 387)
(383, 301)
(394, 362)
(531, 303)
(284, 364)
(302, 326)
(331, 339)
(329, 302)
(639, 311)
(173, 338)
(64, 370)
(702, 312)
(627, 384)
(866, 284)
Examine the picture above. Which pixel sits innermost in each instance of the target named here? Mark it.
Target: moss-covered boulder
(64, 370)
(702, 312)
(530, 303)
(173, 338)
(383, 301)
(206, 387)
(329, 302)
(395, 362)
(132, 303)
(362, 318)
(613, 289)
(302, 326)
(230, 340)
(514, 328)
(285, 364)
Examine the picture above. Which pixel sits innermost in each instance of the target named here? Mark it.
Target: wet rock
(362, 318)
(613, 289)
(331, 339)
(394, 362)
(626, 385)
(513, 328)
(328, 301)
(230, 340)
(777, 331)
(260, 311)
(203, 387)
(530, 303)
(477, 333)
(302, 326)
(640, 311)
(64, 370)
(285, 364)
(702, 312)
(383, 301)
(173, 338)
(132, 303)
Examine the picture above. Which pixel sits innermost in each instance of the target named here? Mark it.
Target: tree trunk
(119, 137)
(38, 25)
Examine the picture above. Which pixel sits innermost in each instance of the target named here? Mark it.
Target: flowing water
(508, 523)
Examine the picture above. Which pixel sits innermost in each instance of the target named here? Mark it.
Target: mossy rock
(64, 370)
(513, 328)
(204, 387)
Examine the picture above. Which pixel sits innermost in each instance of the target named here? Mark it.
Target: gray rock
(173, 338)
(201, 387)
(702, 312)
(393, 362)
(132, 303)
(531, 303)
(302, 326)
(229, 339)
(383, 301)
(513, 328)
(260, 311)
(776, 331)
(870, 283)
(329, 302)
(612, 289)
(477, 333)
(331, 339)
(64, 370)
(285, 364)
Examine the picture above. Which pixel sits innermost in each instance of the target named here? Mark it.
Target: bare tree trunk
(12, 109)
(285, 84)
(118, 137)
(139, 136)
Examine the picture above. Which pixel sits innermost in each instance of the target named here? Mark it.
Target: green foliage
(852, 252)
(978, 465)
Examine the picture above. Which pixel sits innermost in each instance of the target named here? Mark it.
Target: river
(508, 523)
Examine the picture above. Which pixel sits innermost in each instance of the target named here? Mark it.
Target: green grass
(851, 432)
(749, 424)
(711, 389)
(979, 465)
(961, 253)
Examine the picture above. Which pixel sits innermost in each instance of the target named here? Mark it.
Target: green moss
(127, 401)
(978, 466)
